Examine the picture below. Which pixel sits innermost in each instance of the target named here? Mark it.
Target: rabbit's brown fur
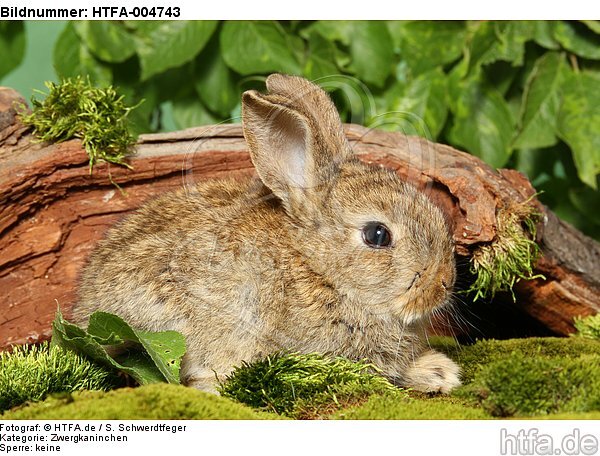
(244, 268)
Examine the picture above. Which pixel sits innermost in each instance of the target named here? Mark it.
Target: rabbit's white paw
(433, 372)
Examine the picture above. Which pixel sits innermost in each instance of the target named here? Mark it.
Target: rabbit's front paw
(433, 372)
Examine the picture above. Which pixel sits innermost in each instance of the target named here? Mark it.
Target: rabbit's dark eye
(376, 235)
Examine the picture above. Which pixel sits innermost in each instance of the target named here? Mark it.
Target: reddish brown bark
(52, 211)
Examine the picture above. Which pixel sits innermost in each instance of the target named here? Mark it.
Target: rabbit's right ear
(290, 151)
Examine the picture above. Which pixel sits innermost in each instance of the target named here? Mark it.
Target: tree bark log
(52, 211)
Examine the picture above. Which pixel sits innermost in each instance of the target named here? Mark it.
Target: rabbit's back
(188, 261)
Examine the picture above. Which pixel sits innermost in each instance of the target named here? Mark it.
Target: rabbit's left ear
(310, 99)
(295, 149)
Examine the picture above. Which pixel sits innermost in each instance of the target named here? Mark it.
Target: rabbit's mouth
(428, 292)
(422, 298)
(420, 309)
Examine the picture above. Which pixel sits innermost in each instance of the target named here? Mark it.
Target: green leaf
(371, 51)
(174, 82)
(424, 101)
(251, 47)
(190, 112)
(297, 45)
(426, 45)
(544, 34)
(165, 348)
(71, 337)
(72, 58)
(157, 357)
(579, 123)
(541, 101)
(594, 26)
(321, 57)
(512, 38)
(500, 40)
(340, 31)
(587, 201)
(483, 122)
(573, 37)
(140, 119)
(502, 75)
(168, 44)
(141, 364)
(108, 40)
(12, 46)
(333, 32)
(482, 44)
(215, 82)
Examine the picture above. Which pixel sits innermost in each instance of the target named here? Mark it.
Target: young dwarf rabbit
(322, 254)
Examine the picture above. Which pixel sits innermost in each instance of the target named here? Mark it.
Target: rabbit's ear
(293, 155)
(312, 100)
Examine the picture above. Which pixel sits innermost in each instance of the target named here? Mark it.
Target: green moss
(526, 377)
(511, 256)
(473, 358)
(588, 327)
(302, 385)
(30, 373)
(522, 385)
(76, 109)
(400, 407)
(555, 378)
(156, 401)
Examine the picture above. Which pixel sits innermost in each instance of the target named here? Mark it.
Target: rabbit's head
(375, 239)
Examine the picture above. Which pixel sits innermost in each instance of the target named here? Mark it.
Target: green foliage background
(520, 94)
